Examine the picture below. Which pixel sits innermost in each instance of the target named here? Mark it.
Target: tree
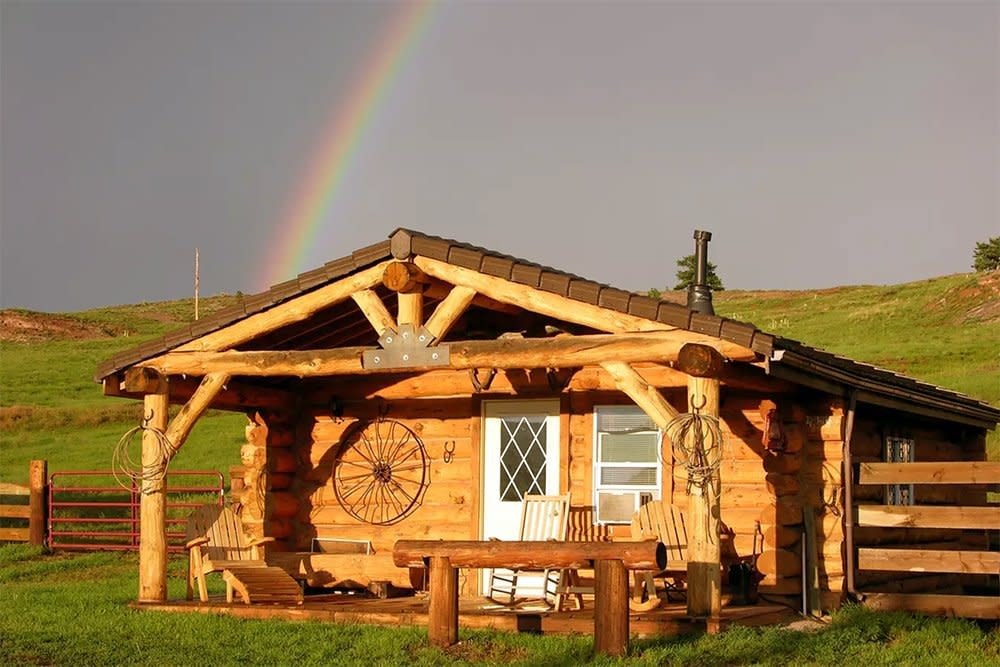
(987, 255)
(686, 274)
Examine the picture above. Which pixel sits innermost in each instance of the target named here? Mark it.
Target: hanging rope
(697, 446)
(129, 472)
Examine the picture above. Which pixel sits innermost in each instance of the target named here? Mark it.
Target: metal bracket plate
(406, 348)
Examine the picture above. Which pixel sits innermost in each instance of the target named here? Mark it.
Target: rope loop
(128, 472)
(697, 442)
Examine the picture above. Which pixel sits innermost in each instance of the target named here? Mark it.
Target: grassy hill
(944, 330)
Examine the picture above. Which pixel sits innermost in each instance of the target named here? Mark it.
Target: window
(627, 466)
(899, 450)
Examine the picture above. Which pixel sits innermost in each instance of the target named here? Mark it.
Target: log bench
(611, 562)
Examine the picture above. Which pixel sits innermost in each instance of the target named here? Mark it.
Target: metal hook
(696, 408)
(147, 418)
(449, 451)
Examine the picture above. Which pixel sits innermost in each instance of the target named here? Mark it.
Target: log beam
(700, 361)
(641, 392)
(449, 310)
(152, 504)
(373, 309)
(411, 309)
(144, 380)
(564, 308)
(404, 277)
(182, 424)
(704, 549)
(560, 352)
(294, 310)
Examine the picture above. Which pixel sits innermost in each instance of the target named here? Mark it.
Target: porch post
(704, 550)
(152, 517)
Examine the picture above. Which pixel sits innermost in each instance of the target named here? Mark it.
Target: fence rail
(24, 507)
(930, 559)
(88, 509)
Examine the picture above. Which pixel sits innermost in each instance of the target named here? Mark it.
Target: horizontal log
(779, 563)
(915, 516)
(965, 472)
(986, 607)
(8, 489)
(782, 485)
(781, 513)
(558, 352)
(926, 560)
(781, 536)
(531, 555)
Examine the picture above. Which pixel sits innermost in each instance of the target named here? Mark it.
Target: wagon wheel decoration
(381, 475)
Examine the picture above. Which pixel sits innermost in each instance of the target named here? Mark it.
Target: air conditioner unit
(619, 506)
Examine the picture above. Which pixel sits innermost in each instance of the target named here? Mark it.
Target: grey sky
(823, 144)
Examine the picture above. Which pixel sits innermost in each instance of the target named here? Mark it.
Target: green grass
(44, 597)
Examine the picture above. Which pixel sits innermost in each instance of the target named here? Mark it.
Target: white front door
(520, 457)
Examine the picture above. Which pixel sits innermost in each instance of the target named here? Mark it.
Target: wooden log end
(403, 277)
(700, 361)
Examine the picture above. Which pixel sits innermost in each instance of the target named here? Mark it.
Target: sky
(822, 143)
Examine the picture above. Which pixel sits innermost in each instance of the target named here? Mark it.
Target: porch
(480, 613)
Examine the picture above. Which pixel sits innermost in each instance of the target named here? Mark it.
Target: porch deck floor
(478, 613)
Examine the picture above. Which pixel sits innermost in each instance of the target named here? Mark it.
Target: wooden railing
(923, 560)
(31, 514)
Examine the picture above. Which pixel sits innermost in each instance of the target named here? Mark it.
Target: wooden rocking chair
(542, 518)
(663, 522)
(216, 542)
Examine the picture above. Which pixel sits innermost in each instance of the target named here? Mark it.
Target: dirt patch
(988, 289)
(485, 650)
(24, 326)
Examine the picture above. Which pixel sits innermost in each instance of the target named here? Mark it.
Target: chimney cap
(700, 235)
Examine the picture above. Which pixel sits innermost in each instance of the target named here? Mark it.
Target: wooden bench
(611, 562)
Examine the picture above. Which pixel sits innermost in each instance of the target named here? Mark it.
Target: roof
(788, 358)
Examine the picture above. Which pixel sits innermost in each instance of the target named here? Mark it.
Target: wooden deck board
(475, 613)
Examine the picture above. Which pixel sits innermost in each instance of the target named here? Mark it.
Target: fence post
(38, 473)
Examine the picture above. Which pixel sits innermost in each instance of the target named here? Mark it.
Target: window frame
(899, 494)
(655, 491)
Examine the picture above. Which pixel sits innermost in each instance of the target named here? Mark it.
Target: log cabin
(418, 388)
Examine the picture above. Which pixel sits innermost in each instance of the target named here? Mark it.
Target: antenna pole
(196, 284)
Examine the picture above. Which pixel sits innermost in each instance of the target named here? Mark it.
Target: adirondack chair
(216, 542)
(663, 522)
(542, 518)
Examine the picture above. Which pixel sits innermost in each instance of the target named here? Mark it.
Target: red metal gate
(88, 509)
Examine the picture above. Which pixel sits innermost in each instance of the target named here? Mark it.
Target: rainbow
(310, 208)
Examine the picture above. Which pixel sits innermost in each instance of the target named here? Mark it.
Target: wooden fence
(25, 507)
(956, 561)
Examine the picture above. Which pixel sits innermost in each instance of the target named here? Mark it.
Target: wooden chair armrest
(190, 544)
(257, 541)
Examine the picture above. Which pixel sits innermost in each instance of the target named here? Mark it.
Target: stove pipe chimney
(699, 294)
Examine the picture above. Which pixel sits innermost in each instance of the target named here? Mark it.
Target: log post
(610, 607)
(442, 617)
(704, 552)
(152, 503)
(38, 474)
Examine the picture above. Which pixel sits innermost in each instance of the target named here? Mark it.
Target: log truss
(626, 340)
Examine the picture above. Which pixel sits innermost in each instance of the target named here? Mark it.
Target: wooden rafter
(184, 421)
(565, 308)
(641, 392)
(449, 310)
(372, 307)
(559, 352)
(411, 308)
(294, 310)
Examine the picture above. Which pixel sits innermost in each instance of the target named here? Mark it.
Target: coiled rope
(128, 472)
(697, 442)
